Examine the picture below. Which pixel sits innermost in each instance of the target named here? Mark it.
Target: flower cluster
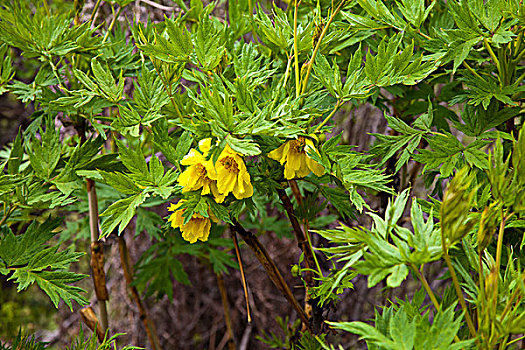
(197, 228)
(295, 154)
(228, 175)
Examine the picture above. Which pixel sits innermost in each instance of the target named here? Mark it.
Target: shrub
(224, 111)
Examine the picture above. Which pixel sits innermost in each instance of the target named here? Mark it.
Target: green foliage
(27, 342)
(397, 328)
(27, 259)
(264, 85)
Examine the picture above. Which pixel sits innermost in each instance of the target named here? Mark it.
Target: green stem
(112, 24)
(336, 108)
(424, 281)
(296, 53)
(509, 304)
(46, 7)
(498, 254)
(7, 214)
(250, 8)
(495, 59)
(169, 91)
(54, 68)
(97, 4)
(519, 57)
(318, 46)
(459, 293)
(429, 291)
(471, 70)
(521, 77)
(516, 340)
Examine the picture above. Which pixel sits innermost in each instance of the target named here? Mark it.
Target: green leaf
(243, 146)
(106, 82)
(31, 260)
(220, 260)
(180, 38)
(45, 154)
(120, 182)
(120, 213)
(148, 222)
(209, 44)
(16, 155)
(365, 331)
(277, 33)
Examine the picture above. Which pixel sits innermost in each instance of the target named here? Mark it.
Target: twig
(243, 278)
(246, 337)
(97, 255)
(302, 240)
(128, 273)
(159, 6)
(226, 307)
(271, 269)
(90, 319)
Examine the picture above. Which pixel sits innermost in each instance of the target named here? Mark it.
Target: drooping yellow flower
(198, 228)
(232, 175)
(295, 154)
(200, 173)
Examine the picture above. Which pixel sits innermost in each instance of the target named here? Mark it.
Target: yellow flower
(232, 175)
(295, 154)
(198, 228)
(200, 173)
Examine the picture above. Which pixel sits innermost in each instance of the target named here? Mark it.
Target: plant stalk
(271, 269)
(226, 307)
(97, 4)
(97, 255)
(336, 108)
(296, 53)
(149, 326)
(243, 278)
(425, 284)
(459, 293)
(318, 46)
(112, 24)
(302, 240)
(9, 212)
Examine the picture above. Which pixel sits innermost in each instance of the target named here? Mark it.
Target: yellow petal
(315, 167)
(193, 157)
(173, 206)
(219, 197)
(205, 145)
(196, 229)
(277, 154)
(303, 168)
(225, 181)
(210, 170)
(189, 178)
(293, 164)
